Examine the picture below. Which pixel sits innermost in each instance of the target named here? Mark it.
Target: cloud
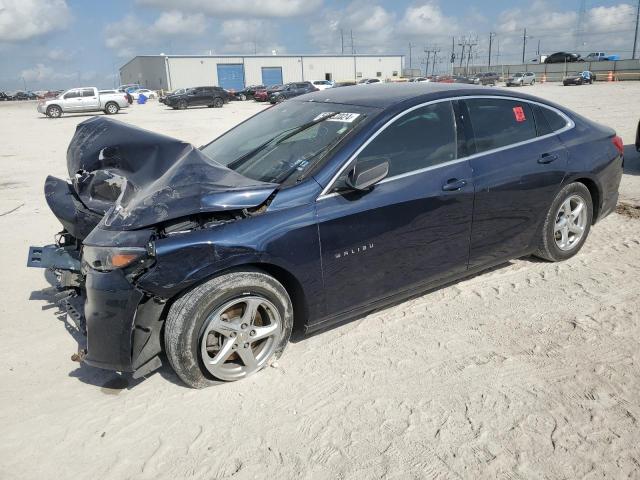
(43, 74)
(127, 35)
(254, 8)
(372, 26)
(25, 19)
(249, 36)
(427, 19)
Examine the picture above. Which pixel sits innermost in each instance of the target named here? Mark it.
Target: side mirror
(365, 178)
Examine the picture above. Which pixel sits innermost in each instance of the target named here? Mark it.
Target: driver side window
(72, 94)
(422, 138)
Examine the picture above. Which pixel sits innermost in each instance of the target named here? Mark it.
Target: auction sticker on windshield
(343, 117)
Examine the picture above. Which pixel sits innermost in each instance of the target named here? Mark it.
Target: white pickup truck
(85, 99)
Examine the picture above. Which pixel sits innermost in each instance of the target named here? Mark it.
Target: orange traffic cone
(610, 76)
(544, 78)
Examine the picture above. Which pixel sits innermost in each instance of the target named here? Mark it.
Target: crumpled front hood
(137, 178)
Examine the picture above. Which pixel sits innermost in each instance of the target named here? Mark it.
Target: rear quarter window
(499, 123)
(548, 121)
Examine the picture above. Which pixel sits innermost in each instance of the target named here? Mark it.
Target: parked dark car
(462, 79)
(310, 213)
(262, 94)
(198, 96)
(562, 57)
(4, 97)
(291, 90)
(248, 92)
(344, 84)
(20, 96)
(486, 78)
(579, 78)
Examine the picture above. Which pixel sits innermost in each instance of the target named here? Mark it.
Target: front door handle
(453, 184)
(547, 158)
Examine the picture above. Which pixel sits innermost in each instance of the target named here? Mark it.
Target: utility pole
(524, 44)
(470, 44)
(453, 52)
(463, 44)
(491, 35)
(410, 58)
(353, 48)
(342, 41)
(635, 38)
(426, 69)
(435, 54)
(538, 51)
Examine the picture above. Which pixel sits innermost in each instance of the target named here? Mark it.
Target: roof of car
(387, 94)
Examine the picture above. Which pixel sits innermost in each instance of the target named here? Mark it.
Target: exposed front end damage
(128, 189)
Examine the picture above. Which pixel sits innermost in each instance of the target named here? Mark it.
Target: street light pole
(635, 38)
(524, 44)
(491, 35)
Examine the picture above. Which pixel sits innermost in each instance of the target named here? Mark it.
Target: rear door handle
(453, 184)
(548, 158)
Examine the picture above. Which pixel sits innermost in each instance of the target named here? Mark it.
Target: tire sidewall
(198, 304)
(218, 102)
(553, 252)
(109, 106)
(51, 108)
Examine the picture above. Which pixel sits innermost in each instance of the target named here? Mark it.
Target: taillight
(618, 143)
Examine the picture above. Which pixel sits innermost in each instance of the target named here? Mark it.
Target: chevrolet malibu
(311, 213)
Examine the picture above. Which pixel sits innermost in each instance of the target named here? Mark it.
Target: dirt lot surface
(531, 370)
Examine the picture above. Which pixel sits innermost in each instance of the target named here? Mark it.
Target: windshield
(285, 141)
(518, 75)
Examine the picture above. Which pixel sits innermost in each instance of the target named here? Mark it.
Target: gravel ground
(529, 370)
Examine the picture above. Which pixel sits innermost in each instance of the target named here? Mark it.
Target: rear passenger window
(422, 138)
(88, 92)
(553, 120)
(498, 123)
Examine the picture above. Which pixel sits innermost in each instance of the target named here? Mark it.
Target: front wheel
(54, 111)
(242, 97)
(567, 224)
(218, 102)
(111, 108)
(228, 328)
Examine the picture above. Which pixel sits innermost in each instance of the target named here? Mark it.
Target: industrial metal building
(169, 72)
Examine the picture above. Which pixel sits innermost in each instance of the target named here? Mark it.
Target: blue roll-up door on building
(271, 76)
(231, 76)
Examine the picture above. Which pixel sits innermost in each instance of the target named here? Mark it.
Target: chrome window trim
(569, 125)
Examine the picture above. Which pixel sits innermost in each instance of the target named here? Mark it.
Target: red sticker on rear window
(519, 114)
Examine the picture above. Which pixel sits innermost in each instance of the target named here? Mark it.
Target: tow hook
(79, 357)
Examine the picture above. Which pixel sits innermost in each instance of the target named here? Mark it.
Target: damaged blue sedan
(311, 213)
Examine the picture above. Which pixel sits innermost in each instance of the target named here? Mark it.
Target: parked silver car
(521, 78)
(85, 99)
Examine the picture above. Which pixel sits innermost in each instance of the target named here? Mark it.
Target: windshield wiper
(281, 137)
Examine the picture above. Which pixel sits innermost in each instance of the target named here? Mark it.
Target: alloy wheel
(571, 222)
(240, 337)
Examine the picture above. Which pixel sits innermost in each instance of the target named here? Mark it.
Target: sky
(49, 44)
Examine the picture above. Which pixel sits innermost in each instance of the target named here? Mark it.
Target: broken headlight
(105, 259)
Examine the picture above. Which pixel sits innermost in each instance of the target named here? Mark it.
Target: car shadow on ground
(112, 383)
(631, 160)
(80, 115)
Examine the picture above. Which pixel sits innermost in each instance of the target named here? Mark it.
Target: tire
(111, 108)
(218, 102)
(549, 245)
(192, 319)
(279, 99)
(242, 97)
(533, 82)
(182, 105)
(54, 111)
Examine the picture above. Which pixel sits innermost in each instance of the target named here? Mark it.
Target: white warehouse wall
(172, 72)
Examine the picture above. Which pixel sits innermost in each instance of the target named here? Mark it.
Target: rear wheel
(242, 97)
(567, 224)
(54, 111)
(218, 102)
(111, 108)
(228, 328)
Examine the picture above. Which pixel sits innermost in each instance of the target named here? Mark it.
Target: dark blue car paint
(343, 255)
